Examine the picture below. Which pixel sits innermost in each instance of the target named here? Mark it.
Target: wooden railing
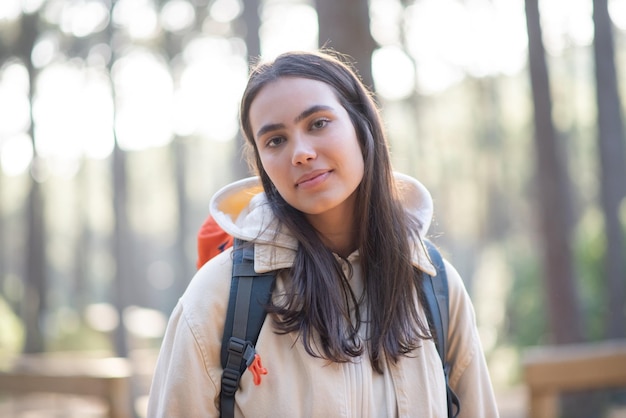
(106, 378)
(551, 370)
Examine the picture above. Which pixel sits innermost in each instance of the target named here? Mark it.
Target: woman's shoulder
(456, 285)
(463, 339)
(208, 291)
(459, 300)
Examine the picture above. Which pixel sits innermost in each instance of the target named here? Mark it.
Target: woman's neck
(341, 243)
(337, 230)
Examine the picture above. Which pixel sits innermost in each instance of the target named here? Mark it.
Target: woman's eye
(320, 123)
(274, 141)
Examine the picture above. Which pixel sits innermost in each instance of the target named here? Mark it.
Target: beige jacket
(187, 378)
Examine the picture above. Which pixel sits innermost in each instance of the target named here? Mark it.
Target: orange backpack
(212, 240)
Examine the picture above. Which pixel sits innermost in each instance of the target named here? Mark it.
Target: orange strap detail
(257, 369)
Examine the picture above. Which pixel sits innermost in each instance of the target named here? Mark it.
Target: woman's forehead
(288, 96)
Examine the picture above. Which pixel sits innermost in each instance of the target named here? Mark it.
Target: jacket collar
(241, 209)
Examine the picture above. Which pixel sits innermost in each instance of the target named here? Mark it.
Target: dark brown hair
(318, 296)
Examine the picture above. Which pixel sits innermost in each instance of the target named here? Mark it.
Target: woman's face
(308, 146)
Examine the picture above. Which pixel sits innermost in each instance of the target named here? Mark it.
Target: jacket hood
(241, 209)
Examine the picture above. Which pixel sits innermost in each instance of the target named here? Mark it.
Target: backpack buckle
(241, 354)
(236, 346)
(230, 381)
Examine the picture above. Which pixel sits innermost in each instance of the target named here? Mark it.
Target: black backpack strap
(249, 294)
(437, 301)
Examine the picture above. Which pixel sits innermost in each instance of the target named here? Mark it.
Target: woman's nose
(303, 150)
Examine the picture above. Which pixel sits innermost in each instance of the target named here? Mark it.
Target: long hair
(318, 299)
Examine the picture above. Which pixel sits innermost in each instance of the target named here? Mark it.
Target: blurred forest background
(118, 121)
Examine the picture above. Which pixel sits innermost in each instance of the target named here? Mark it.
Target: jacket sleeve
(181, 385)
(186, 380)
(469, 377)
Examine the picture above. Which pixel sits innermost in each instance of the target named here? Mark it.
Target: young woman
(346, 334)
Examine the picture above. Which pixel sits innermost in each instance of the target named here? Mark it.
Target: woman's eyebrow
(305, 113)
(268, 128)
(310, 111)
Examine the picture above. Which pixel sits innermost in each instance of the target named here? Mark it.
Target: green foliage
(12, 332)
(526, 307)
(83, 338)
(590, 248)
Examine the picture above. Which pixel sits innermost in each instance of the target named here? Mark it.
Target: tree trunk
(173, 44)
(83, 240)
(34, 303)
(252, 23)
(121, 248)
(122, 238)
(612, 167)
(344, 25)
(553, 196)
(3, 236)
(184, 264)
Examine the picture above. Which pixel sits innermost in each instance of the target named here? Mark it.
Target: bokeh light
(143, 97)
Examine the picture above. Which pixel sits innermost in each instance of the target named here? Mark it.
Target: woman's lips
(312, 179)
